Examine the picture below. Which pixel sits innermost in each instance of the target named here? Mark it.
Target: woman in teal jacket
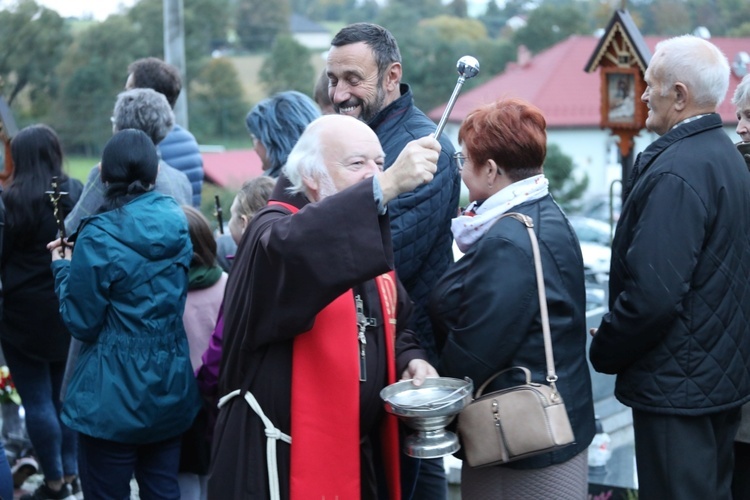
(122, 294)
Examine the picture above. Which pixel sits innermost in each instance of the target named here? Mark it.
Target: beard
(367, 110)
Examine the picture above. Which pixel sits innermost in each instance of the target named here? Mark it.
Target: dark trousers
(38, 383)
(423, 478)
(741, 478)
(106, 468)
(684, 458)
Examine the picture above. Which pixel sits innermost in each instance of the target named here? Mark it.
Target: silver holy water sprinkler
(467, 67)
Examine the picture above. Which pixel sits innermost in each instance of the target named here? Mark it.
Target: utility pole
(174, 53)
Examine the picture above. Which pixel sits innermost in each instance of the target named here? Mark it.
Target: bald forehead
(335, 127)
(343, 136)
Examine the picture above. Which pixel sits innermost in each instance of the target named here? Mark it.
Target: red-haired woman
(485, 309)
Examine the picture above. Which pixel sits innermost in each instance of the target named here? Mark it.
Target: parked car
(601, 208)
(591, 230)
(596, 259)
(595, 296)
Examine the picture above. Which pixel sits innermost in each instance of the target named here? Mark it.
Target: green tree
(205, 22)
(458, 8)
(332, 10)
(517, 7)
(424, 9)
(93, 72)
(493, 19)
(400, 20)
(450, 28)
(741, 30)
(206, 26)
(303, 7)
(558, 168)
(258, 22)
(33, 39)
(147, 18)
(493, 56)
(671, 18)
(217, 110)
(734, 14)
(288, 67)
(550, 24)
(366, 10)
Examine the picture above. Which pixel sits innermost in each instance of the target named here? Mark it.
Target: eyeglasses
(459, 158)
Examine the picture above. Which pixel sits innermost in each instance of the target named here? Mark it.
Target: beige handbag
(520, 421)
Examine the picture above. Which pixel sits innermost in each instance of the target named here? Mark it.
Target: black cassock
(287, 269)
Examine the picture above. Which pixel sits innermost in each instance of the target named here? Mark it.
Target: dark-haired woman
(485, 309)
(122, 293)
(205, 295)
(34, 338)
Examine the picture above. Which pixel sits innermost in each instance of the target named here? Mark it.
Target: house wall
(592, 151)
(314, 41)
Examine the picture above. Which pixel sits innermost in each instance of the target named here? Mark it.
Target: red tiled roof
(231, 168)
(555, 81)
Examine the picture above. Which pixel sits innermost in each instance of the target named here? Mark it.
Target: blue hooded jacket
(123, 295)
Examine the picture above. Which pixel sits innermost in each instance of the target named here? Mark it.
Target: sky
(99, 9)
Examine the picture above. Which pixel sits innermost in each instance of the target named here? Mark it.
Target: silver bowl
(428, 409)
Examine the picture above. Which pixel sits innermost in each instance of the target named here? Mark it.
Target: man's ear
(681, 96)
(245, 221)
(312, 187)
(393, 77)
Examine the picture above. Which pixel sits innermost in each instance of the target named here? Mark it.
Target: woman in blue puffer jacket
(122, 293)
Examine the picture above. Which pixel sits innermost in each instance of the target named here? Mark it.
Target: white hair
(697, 63)
(741, 97)
(306, 160)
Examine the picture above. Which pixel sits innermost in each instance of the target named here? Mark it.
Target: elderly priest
(314, 326)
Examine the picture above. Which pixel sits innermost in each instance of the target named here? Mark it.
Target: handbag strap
(549, 358)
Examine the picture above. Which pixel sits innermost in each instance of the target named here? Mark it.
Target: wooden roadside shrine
(621, 56)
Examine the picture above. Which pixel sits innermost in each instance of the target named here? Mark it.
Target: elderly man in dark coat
(314, 326)
(678, 331)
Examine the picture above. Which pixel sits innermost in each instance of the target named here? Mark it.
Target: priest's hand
(418, 370)
(416, 165)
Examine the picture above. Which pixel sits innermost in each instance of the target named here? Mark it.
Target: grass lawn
(78, 167)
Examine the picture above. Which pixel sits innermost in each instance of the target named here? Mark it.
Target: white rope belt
(272, 434)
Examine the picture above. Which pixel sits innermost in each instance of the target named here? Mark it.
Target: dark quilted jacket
(420, 220)
(179, 150)
(487, 317)
(678, 334)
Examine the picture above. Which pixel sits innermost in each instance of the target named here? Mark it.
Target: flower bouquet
(8, 392)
